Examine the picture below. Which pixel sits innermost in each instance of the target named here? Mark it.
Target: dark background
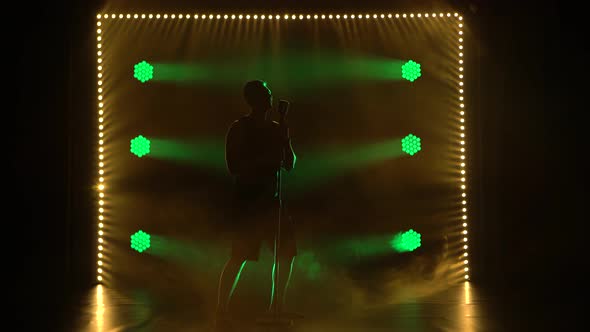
(527, 170)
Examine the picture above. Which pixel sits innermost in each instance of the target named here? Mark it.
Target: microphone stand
(277, 319)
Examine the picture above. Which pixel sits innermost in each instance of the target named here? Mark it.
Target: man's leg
(228, 281)
(285, 271)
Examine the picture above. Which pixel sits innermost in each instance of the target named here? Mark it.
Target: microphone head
(283, 106)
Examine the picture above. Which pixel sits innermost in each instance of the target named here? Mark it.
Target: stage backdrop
(362, 177)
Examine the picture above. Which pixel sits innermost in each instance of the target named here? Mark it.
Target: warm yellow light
(464, 224)
(99, 46)
(240, 17)
(300, 17)
(388, 15)
(462, 171)
(419, 15)
(462, 142)
(100, 119)
(98, 23)
(247, 17)
(128, 15)
(99, 255)
(99, 270)
(203, 16)
(448, 14)
(101, 179)
(352, 16)
(100, 225)
(218, 16)
(264, 16)
(101, 164)
(99, 263)
(100, 248)
(404, 15)
(315, 16)
(460, 47)
(464, 239)
(338, 16)
(461, 54)
(367, 16)
(460, 40)
(101, 157)
(98, 30)
(374, 15)
(100, 233)
(426, 15)
(441, 15)
(456, 14)
(463, 202)
(211, 16)
(98, 16)
(464, 217)
(462, 179)
(323, 16)
(465, 254)
(278, 17)
(460, 32)
(142, 15)
(463, 187)
(460, 18)
(135, 16)
(466, 269)
(99, 278)
(461, 83)
(466, 276)
(151, 16)
(412, 15)
(101, 217)
(397, 15)
(233, 17)
(101, 195)
(465, 246)
(100, 240)
(382, 16)
(101, 202)
(462, 164)
(345, 16)
(99, 68)
(462, 120)
(330, 16)
(462, 157)
(460, 90)
(464, 195)
(101, 127)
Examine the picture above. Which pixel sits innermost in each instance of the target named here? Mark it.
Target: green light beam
(319, 166)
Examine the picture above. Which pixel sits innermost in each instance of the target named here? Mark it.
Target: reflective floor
(459, 308)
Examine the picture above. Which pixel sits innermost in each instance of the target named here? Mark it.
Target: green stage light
(411, 144)
(406, 241)
(140, 241)
(143, 71)
(140, 146)
(411, 71)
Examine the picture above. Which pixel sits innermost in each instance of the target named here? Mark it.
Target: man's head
(258, 95)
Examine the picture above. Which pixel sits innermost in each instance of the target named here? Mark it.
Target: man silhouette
(255, 148)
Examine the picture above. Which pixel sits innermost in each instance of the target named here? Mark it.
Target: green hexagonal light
(411, 144)
(140, 241)
(406, 241)
(140, 146)
(411, 71)
(143, 71)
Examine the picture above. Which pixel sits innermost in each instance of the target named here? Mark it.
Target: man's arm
(233, 149)
(290, 157)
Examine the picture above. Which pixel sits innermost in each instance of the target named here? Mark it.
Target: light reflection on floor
(458, 308)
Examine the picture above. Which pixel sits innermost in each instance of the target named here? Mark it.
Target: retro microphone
(283, 109)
